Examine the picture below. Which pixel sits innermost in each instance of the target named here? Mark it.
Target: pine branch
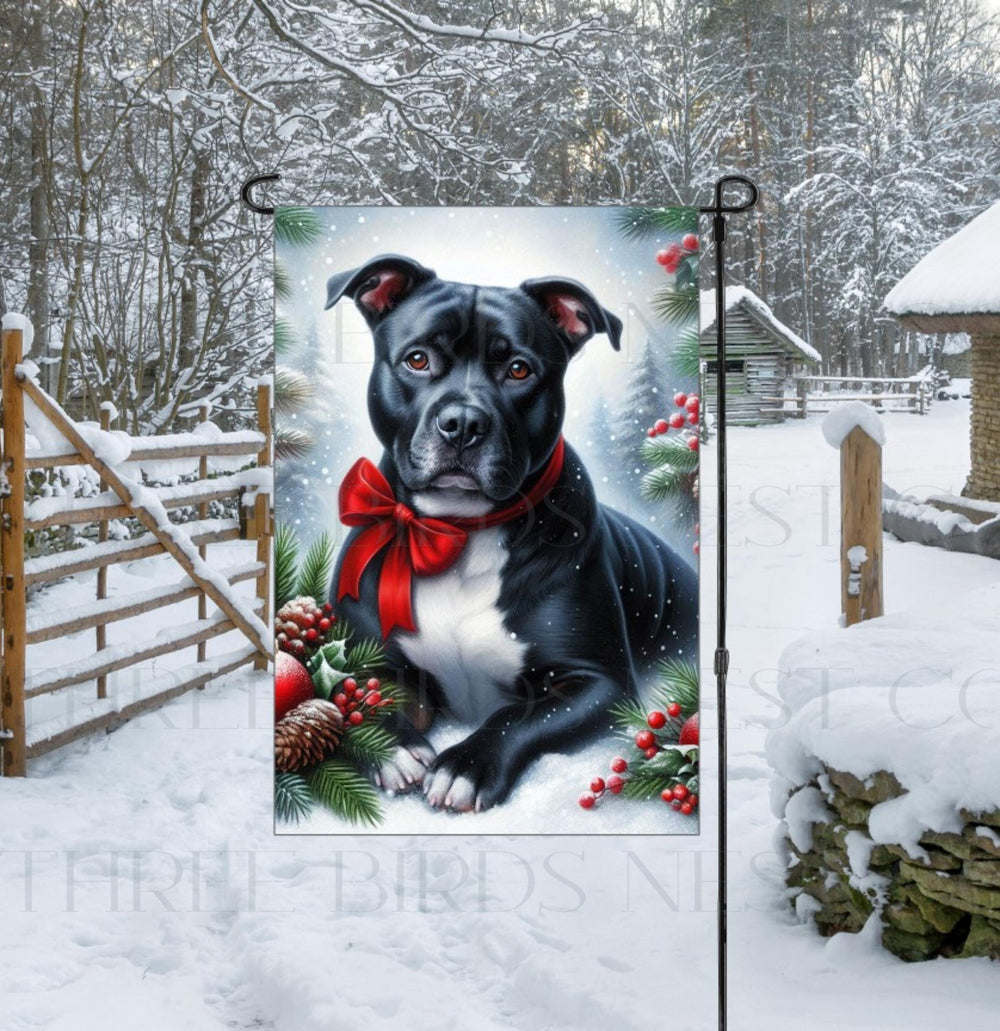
(297, 226)
(367, 745)
(292, 390)
(282, 285)
(669, 450)
(345, 792)
(292, 797)
(290, 444)
(677, 306)
(286, 560)
(629, 716)
(682, 683)
(366, 657)
(664, 483)
(636, 223)
(685, 357)
(667, 768)
(284, 336)
(316, 569)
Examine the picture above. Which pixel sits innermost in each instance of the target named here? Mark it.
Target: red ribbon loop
(417, 545)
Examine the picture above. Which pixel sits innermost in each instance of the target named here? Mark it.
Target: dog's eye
(519, 370)
(418, 361)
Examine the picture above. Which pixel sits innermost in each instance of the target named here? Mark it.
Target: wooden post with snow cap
(857, 431)
(262, 507)
(13, 615)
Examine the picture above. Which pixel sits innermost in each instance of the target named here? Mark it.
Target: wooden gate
(122, 497)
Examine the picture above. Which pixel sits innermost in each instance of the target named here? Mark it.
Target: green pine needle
(292, 797)
(367, 745)
(284, 336)
(664, 484)
(684, 358)
(282, 285)
(292, 390)
(316, 569)
(344, 791)
(647, 779)
(629, 716)
(670, 450)
(292, 444)
(286, 561)
(366, 657)
(682, 684)
(635, 223)
(297, 226)
(677, 306)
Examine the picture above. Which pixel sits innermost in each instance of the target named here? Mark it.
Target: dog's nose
(463, 426)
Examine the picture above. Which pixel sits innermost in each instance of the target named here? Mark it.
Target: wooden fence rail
(122, 497)
(821, 393)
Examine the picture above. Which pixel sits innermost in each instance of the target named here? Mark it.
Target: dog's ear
(574, 309)
(379, 285)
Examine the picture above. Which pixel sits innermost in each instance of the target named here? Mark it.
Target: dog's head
(466, 393)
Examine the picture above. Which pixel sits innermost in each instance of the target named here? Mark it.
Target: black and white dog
(546, 606)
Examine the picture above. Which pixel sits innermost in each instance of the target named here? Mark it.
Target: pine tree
(645, 401)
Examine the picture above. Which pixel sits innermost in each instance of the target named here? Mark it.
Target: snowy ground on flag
(141, 884)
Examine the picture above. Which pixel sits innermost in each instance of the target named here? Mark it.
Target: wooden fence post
(102, 573)
(12, 597)
(860, 527)
(205, 409)
(262, 509)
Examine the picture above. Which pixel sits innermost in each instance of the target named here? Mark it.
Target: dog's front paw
(466, 777)
(406, 770)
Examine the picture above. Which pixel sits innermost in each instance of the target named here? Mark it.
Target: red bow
(417, 545)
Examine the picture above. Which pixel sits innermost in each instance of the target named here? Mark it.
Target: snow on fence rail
(822, 393)
(119, 460)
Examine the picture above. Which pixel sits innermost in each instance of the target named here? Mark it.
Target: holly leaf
(326, 668)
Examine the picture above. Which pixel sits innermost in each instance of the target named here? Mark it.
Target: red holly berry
(662, 257)
(311, 634)
(355, 718)
(373, 684)
(292, 684)
(373, 698)
(661, 426)
(693, 801)
(690, 241)
(693, 443)
(645, 739)
(350, 685)
(587, 800)
(597, 785)
(327, 608)
(651, 432)
(675, 804)
(693, 418)
(676, 420)
(680, 791)
(689, 732)
(673, 710)
(324, 625)
(666, 795)
(619, 765)
(351, 706)
(340, 700)
(672, 257)
(651, 751)
(656, 719)
(687, 809)
(615, 784)
(696, 548)
(692, 403)
(680, 399)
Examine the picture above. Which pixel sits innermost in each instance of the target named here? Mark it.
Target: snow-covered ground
(141, 884)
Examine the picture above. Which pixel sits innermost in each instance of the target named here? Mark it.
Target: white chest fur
(461, 639)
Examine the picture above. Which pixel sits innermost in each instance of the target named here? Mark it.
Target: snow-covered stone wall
(984, 479)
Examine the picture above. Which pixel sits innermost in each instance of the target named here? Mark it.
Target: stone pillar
(984, 477)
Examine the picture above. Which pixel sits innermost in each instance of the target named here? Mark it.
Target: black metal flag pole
(718, 211)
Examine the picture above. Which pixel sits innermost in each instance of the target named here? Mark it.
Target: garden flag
(487, 443)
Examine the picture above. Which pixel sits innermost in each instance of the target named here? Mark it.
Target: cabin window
(732, 365)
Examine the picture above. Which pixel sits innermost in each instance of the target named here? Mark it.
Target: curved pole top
(719, 208)
(246, 193)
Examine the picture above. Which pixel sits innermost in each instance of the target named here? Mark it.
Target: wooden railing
(821, 393)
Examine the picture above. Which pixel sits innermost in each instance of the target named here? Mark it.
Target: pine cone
(307, 735)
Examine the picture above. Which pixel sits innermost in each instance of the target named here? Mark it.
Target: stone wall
(945, 905)
(984, 479)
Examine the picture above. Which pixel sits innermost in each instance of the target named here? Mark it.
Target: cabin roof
(741, 298)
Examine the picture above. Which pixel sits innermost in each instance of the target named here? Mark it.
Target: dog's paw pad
(403, 772)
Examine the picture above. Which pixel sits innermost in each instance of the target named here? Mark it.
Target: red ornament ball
(618, 764)
(645, 739)
(687, 809)
(693, 443)
(615, 784)
(692, 403)
(661, 426)
(656, 719)
(292, 684)
(666, 795)
(680, 792)
(651, 432)
(676, 420)
(587, 800)
(689, 241)
(597, 785)
(693, 418)
(689, 732)
(680, 400)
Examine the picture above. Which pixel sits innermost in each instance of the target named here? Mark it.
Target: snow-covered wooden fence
(822, 393)
(123, 495)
